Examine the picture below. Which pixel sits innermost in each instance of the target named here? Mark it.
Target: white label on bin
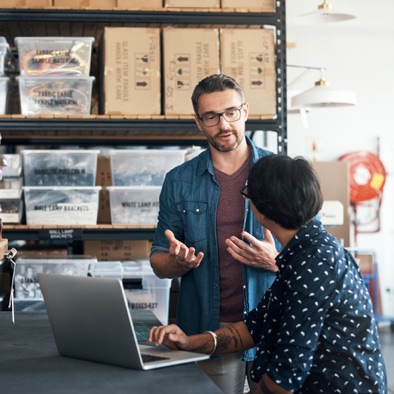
(63, 214)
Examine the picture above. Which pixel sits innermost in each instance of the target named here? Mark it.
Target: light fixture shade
(324, 14)
(321, 95)
(291, 109)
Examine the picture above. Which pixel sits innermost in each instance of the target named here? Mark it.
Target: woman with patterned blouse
(314, 329)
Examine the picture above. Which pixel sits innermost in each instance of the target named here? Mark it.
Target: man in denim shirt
(207, 233)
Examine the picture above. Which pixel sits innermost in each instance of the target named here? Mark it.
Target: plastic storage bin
(10, 187)
(12, 164)
(60, 167)
(146, 167)
(27, 290)
(143, 289)
(7, 60)
(11, 208)
(106, 269)
(47, 56)
(56, 95)
(59, 205)
(4, 88)
(134, 204)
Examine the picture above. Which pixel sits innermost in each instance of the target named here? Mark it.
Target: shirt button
(197, 210)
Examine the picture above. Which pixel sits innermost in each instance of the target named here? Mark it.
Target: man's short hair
(215, 83)
(285, 190)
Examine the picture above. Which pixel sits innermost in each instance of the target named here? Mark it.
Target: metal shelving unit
(110, 130)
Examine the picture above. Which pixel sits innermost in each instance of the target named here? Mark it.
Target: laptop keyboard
(141, 331)
(148, 358)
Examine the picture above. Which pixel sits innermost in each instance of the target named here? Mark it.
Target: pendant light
(322, 95)
(324, 14)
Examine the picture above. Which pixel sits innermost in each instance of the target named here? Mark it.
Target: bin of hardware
(60, 95)
(11, 164)
(4, 89)
(11, 206)
(144, 290)
(146, 167)
(27, 292)
(134, 204)
(54, 56)
(60, 167)
(61, 205)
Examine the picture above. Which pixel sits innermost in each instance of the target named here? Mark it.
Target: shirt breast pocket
(194, 220)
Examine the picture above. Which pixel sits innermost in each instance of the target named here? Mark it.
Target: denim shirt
(188, 206)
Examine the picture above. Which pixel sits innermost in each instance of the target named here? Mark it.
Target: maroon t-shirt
(230, 217)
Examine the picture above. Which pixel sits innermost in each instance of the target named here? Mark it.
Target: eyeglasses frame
(244, 194)
(221, 114)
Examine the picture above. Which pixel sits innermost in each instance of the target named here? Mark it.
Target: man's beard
(224, 147)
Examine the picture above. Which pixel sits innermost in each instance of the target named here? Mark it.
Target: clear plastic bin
(26, 284)
(11, 209)
(106, 269)
(144, 290)
(134, 204)
(60, 167)
(61, 205)
(51, 56)
(12, 164)
(56, 95)
(4, 88)
(146, 167)
(7, 60)
(10, 187)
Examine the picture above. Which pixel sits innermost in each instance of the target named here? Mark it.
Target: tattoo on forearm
(226, 339)
(204, 348)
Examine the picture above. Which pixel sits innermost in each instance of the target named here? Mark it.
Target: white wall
(358, 55)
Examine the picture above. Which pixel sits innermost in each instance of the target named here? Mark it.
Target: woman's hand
(171, 336)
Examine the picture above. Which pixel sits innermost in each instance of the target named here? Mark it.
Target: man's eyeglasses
(213, 119)
(244, 192)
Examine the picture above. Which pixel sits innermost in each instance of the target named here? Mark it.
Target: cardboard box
(140, 4)
(190, 54)
(365, 262)
(336, 189)
(104, 179)
(192, 4)
(25, 3)
(130, 71)
(248, 55)
(110, 250)
(256, 5)
(96, 4)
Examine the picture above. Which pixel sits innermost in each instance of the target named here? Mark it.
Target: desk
(30, 363)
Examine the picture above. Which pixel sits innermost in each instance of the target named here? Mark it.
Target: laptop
(90, 320)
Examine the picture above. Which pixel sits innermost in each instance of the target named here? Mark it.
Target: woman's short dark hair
(285, 190)
(215, 83)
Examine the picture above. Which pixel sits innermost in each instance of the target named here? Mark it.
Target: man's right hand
(181, 253)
